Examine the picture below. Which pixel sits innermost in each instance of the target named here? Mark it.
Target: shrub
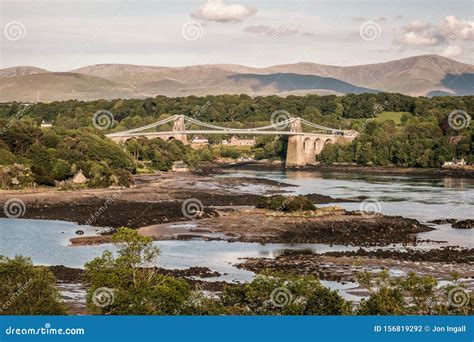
(325, 301)
(285, 203)
(129, 284)
(26, 289)
(285, 294)
(386, 301)
(412, 295)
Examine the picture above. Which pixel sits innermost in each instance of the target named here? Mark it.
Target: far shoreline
(359, 169)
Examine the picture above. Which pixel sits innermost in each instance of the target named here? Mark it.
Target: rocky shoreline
(460, 224)
(343, 266)
(154, 206)
(329, 225)
(154, 199)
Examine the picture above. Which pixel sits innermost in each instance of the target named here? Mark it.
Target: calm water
(47, 242)
(421, 198)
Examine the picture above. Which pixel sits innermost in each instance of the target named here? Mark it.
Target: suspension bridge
(306, 139)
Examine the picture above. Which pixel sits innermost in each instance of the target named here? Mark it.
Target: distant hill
(288, 82)
(21, 71)
(57, 86)
(427, 75)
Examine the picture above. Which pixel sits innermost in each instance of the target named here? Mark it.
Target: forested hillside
(419, 135)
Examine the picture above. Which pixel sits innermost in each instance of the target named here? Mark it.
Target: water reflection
(425, 199)
(421, 198)
(47, 243)
(454, 183)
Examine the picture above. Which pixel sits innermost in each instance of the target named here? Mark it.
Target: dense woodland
(31, 155)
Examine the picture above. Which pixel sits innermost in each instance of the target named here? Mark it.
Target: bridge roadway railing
(249, 132)
(273, 129)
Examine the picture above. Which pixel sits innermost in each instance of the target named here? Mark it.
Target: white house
(46, 124)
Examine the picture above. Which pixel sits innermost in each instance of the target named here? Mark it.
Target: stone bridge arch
(303, 149)
(318, 146)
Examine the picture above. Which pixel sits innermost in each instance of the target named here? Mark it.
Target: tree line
(30, 155)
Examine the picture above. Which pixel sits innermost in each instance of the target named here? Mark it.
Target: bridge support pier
(295, 155)
(179, 126)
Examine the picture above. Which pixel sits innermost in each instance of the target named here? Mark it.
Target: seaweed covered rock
(285, 203)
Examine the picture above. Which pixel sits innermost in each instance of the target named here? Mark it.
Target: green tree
(285, 294)
(26, 289)
(128, 284)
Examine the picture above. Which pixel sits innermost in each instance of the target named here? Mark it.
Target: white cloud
(451, 28)
(417, 26)
(452, 51)
(418, 33)
(417, 39)
(281, 30)
(218, 10)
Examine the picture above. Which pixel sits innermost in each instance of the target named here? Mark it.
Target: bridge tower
(179, 126)
(295, 155)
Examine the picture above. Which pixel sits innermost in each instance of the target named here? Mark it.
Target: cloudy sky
(67, 34)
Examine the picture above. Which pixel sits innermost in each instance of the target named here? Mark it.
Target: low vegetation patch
(285, 203)
(394, 116)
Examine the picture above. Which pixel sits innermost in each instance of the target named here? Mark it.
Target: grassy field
(395, 116)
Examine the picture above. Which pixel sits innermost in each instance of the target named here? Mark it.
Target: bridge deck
(247, 132)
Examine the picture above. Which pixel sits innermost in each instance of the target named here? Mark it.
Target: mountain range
(426, 75)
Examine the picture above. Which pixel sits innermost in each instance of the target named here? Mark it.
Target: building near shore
(79, 178)
(197, 140)
(46, 124)
(180, 166)
(236, 141)
(455, 162)
(198, 143)
(458, 164)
